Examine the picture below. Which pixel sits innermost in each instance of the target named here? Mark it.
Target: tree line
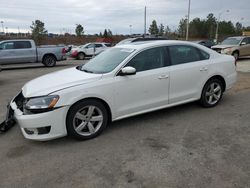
(200, 28)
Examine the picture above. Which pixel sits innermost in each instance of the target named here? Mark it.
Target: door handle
(163, 77)
(204, 69)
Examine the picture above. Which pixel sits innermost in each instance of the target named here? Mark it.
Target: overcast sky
(95, 15)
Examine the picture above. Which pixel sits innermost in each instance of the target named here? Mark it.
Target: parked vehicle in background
(122, 81)
(89, 50)
(25, 51)
(207, 43)
(235, 46)
(139, 39)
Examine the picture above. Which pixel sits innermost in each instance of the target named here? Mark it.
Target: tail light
(74, 53)
(63, 50)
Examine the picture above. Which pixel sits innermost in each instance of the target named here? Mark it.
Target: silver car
(236, 46)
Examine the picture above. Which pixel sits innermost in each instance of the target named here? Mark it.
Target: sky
(120, 16)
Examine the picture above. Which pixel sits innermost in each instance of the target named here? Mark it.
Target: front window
(107, 61)
(7, 46)
(149, 59)
(232, 41)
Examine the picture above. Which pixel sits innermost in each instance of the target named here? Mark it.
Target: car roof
(146, 44)
(13, 40)
(237, 37)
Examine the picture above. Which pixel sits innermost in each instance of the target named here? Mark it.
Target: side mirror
(127, 71)
(243, 43)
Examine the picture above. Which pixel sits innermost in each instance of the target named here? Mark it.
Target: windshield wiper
(88, 71)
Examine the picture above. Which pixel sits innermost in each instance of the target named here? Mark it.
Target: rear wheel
(86, 119)
(211, 93)
(81, 56)
(49, 61)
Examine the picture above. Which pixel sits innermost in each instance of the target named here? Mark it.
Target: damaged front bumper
(9, 121)
(38, 126)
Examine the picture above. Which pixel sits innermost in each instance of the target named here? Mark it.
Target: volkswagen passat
(123, 81)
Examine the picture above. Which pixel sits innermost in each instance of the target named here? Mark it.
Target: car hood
(59, 80)
(221, 46)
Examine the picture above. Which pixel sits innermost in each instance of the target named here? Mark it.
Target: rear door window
(98, 45)
(22, 44)
(181, 54)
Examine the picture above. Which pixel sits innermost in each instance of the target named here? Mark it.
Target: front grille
(19, 100)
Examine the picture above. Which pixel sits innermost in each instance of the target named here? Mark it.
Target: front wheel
(211, 93)
(86, 119)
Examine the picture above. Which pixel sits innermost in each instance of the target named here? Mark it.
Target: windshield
(231, 41)
(107, 60)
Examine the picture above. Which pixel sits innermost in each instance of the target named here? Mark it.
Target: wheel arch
(236, 51)
(219, 77)
(49, 54)
(97, 99)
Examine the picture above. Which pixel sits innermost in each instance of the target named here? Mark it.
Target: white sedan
(123, 81)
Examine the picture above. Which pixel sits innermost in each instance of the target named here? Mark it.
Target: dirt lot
(182, 147)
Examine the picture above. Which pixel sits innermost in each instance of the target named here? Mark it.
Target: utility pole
(2, 26)
(217, 26)
(188, 17)
(145, 21)
(18, 31)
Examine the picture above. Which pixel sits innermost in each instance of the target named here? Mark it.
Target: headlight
(40, 103)
(227, 50)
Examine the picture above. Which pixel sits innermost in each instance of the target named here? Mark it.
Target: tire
(86, 119)
(236, 55)
(81, 56)
(212, 93)
(49, 61)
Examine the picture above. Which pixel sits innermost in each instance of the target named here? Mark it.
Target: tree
(167, 31)
(153, 28)
(38, 31)
(226, 28)
(210, 26)
(79, 30)
(238, 28)
(105, 33)
(110, 34)
(161, 30)
(182, 27)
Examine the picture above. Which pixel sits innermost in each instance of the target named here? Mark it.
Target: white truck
(26, 51)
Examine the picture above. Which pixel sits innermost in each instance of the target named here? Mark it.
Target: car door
(245, 47)
(7, 54)
(24, 52)
(99, 48)
(90, 49)
(188, 71)
(148, 88)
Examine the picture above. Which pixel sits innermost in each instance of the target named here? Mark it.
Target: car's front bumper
(30, 124)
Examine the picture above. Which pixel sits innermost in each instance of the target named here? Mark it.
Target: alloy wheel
(213, 93)
(88, 120)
